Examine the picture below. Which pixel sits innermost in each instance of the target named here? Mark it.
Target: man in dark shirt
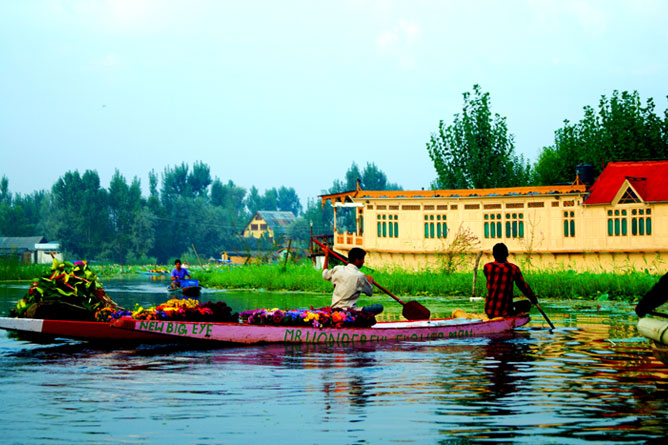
(656, 296)
(500, 278)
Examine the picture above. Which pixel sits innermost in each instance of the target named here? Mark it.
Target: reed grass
(11, 269)
(565, 285)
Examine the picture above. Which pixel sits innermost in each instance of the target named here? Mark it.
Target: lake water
(592, 380)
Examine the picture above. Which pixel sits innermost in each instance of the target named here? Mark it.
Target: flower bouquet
(325, 317)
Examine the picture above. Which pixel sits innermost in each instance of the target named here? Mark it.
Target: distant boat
(188, 288)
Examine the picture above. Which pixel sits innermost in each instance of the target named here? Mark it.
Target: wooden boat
(383, 332)
(79, 330)
(187, 288)
(656, 330)
(188, 291)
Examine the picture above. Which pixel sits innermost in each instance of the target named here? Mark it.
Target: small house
(30, 249)
(269, 223)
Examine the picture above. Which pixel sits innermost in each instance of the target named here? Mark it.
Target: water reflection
(590, 380)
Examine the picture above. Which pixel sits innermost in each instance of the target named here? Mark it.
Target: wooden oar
(544, 315)
(412, 310)
(658, 314)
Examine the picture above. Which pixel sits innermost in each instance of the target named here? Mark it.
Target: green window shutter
(438, 230)
(565, 227)
(634, 226)
(431, 230)
(486, 229)
(648, 225)
(498, 230)
(514, 229)
(445, 230)
(391, 229)
(641, 226)
(624, 227)
(426, 230)
(572, 227)
(384, 229)
(521, 229)
(379, 229)
(508, 231)
(617, 227)
(396, 230)
(610, 227)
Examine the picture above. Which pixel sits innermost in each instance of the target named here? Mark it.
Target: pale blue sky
(273, 93)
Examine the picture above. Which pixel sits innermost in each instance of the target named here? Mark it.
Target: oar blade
(415, 311)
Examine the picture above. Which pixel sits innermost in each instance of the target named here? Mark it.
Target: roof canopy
(457, 193)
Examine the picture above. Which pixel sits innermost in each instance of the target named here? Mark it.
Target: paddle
(412, 310)
(544, 315)
(658, 314)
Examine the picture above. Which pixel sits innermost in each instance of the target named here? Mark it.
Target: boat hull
(79, 330)
(384, 332)
(190, 291)
(656, 330)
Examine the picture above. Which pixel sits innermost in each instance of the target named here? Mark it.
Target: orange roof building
(618, 222)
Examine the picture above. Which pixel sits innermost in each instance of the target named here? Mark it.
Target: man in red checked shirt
(500, 278)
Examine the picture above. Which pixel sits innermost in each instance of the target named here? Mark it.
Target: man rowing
(349, 283)
(179, 274)
(501, 275)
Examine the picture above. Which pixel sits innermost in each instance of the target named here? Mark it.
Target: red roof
(649, 179)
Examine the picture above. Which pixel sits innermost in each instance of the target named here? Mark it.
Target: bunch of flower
(325, 317)
(175, 309)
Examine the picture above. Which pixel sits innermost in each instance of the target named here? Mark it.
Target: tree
(288, 201)
(476, 150)
(622, 129)
(80, 213)
(125, 206)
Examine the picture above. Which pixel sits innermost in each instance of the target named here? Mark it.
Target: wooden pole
(198, 260)
(285, 264)
(475, 273)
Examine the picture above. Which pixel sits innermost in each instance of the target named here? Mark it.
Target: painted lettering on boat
(461, 333)
(176, 328)
(421, 337)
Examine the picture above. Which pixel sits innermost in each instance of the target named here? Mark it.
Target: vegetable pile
(69, 292)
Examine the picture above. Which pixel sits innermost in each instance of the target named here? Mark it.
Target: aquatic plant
(547, 284)
(69, 291)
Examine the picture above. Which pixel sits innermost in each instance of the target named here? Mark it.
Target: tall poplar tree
(476, 150)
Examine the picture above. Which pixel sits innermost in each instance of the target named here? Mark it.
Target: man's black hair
(500, 252)
(177, 261)
(356, 253)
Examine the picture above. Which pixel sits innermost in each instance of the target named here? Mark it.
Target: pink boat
(78, 330)
(383, 332)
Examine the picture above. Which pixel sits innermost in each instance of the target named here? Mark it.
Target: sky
(291, 93)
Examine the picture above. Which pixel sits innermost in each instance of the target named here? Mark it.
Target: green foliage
(67, 287)
(622, 129)
(476, 150)
(12, 269)
(554, 285)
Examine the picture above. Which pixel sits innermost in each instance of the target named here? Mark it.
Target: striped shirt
(500, 279)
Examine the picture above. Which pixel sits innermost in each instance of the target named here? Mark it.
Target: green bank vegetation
(556, 285)
(568, 285)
